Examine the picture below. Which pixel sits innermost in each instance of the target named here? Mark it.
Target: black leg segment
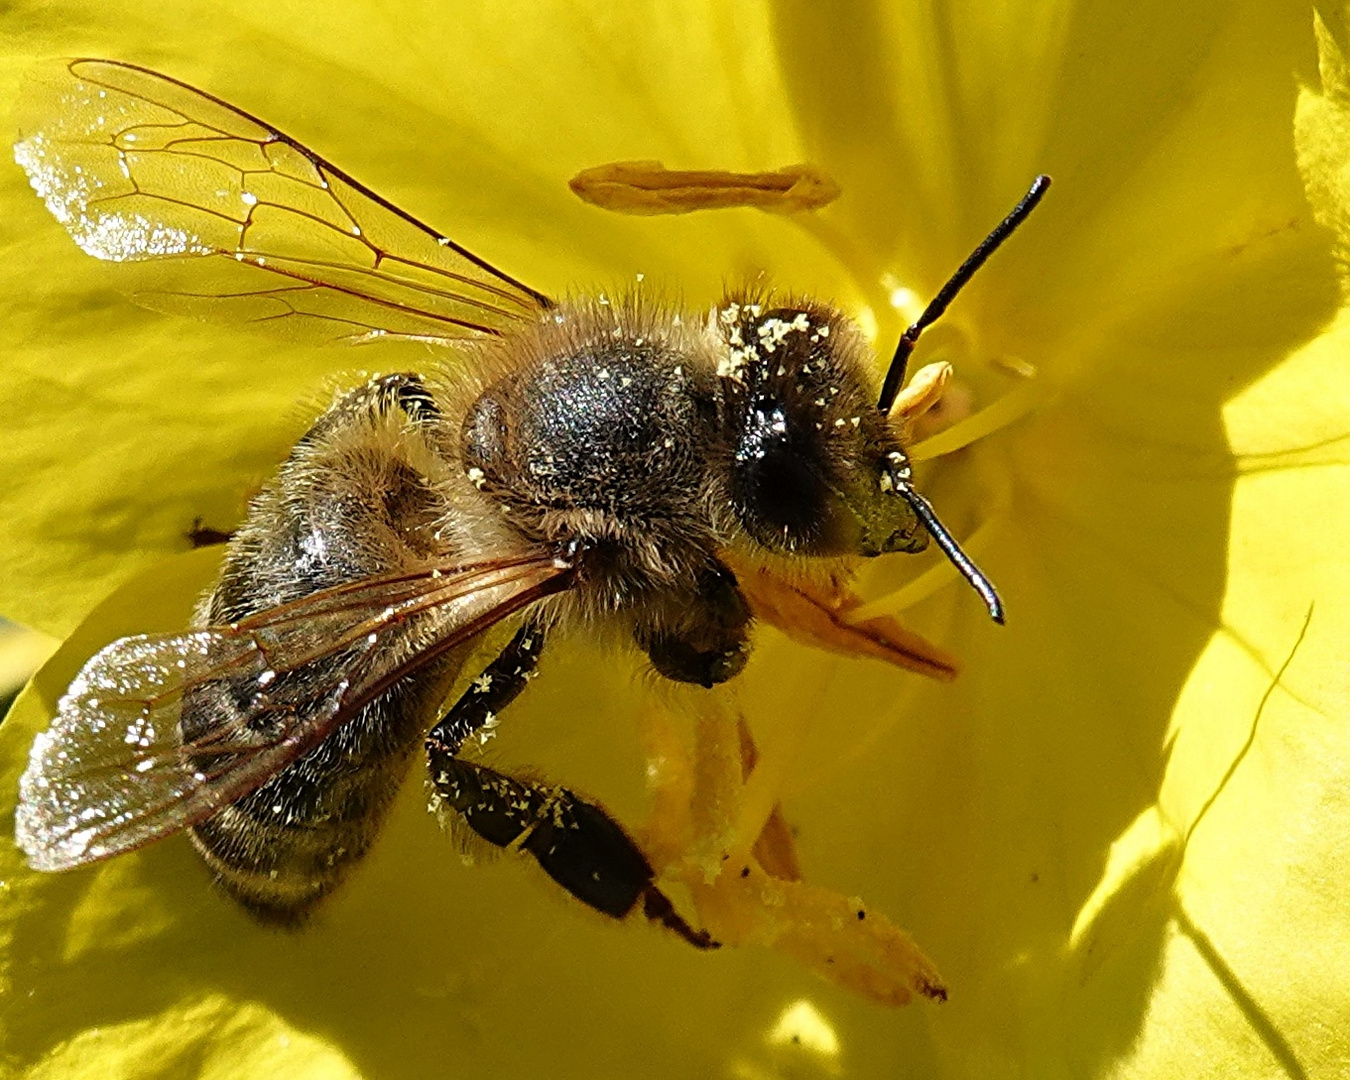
(498, 686)
(578, 845)
(703, 637)
(202, 535)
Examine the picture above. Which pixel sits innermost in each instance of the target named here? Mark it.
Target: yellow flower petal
(213, 1039)
(1159, 524)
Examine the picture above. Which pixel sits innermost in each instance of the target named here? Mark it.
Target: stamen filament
(998, 414)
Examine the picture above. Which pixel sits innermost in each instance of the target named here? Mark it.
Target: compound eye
(783, 498)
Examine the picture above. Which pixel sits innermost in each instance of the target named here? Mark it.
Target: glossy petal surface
(1121, 834)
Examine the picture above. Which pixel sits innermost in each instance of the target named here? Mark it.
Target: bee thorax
(610, 441)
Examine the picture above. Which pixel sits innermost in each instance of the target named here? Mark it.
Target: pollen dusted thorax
(645, 443)
(603, 430)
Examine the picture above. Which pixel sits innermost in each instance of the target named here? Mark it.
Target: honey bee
(571, 464)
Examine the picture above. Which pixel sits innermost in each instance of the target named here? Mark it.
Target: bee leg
(498, 686)
(578, 844)
(702, 637)
(202, 535)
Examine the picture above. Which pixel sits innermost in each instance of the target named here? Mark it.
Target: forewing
(259, 229)
(116, 770)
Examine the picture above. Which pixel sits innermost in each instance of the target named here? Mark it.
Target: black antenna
(947, 542)
(895, 375)
(922, 508)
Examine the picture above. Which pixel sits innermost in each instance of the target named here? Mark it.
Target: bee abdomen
(350, 503)
(281, 849)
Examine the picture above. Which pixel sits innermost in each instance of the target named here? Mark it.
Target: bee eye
(781, 496)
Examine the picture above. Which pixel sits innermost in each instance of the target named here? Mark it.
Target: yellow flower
(1121, 835)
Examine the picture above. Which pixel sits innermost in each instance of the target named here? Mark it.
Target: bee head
(833, 481)
(813, 461)
(817, 468)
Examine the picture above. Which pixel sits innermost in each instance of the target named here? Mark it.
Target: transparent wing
(157, 733)
(258, 228)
